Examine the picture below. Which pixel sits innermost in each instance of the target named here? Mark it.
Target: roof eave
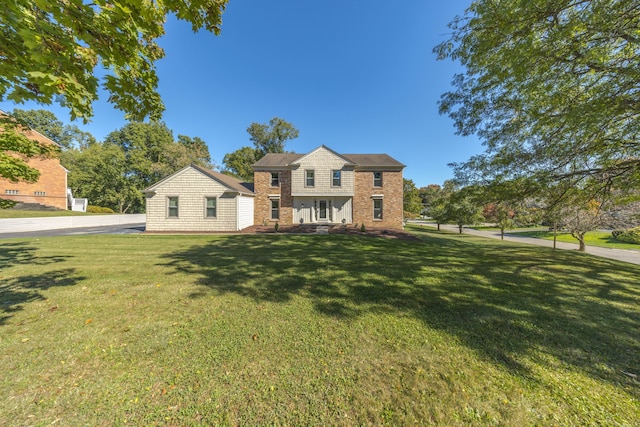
(379, 168)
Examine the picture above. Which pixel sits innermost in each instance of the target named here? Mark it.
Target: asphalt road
(105, 229)
(625, 255)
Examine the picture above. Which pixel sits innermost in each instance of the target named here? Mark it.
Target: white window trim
(271, 179)
(271, 200)
(206, 207)
(332, 179)
(381, 209)
(169, 207)
(306, 179)
(381, 179)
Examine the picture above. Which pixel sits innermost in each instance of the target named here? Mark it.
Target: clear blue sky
(358, 76)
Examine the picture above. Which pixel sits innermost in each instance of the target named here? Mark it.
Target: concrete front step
(322, 229)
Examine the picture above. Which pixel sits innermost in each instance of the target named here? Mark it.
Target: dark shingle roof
(277, 160)
(373, 160)
(227, 180)
(360, 160)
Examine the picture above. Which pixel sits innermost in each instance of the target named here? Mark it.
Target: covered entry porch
(322, 210)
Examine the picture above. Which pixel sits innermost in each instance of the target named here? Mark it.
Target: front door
(322, 211)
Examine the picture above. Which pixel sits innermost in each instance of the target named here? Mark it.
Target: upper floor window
(336, 180)
(211, 207)
(39, 193)
(11, 192)
(172, 207)
(377, 179)
(310, 178)
(275, 179)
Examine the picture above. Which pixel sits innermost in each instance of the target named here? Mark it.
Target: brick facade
(350, 203)
(391, 194)
(51, 187)
(265, 193)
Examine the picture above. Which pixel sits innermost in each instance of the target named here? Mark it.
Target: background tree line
(112, 173)
(566, 209)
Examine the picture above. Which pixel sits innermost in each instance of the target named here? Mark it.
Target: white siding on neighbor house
(307, 209)
(322, 162)
(192, 188)
(245, 212)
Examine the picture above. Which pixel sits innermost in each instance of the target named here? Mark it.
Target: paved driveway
(629, 256)
(69, 225)
(105, 229)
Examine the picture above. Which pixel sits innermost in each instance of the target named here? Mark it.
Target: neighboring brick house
(51, 187)
(324, 187)
(197, 199)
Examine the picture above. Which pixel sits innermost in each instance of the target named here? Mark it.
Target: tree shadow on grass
(15, 291)
(505, 301)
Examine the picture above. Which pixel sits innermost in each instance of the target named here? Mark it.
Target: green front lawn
(314, 330)
(593, 238)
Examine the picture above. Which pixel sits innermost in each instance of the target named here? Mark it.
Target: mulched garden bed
(333, 229)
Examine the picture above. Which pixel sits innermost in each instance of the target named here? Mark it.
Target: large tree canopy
(152, 153)
(267, 138)
(197, 149)
(272, 137)
(45, 122)
(99, 173)
(411, 198)
(238, 163)
(552, 87)
(114, 173)
(49, 50)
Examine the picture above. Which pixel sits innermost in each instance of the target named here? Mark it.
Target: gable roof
(322, 147)
(229, 181)
(283, 160)
(232, 183)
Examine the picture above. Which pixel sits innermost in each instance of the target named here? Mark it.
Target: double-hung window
(336, 178)
(211, 207)
(310, 178)
(172, 207)
(377, 179)
(275, 179)
(377, 209)
(275, 209)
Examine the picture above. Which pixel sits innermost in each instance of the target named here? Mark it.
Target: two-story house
(324, 187)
